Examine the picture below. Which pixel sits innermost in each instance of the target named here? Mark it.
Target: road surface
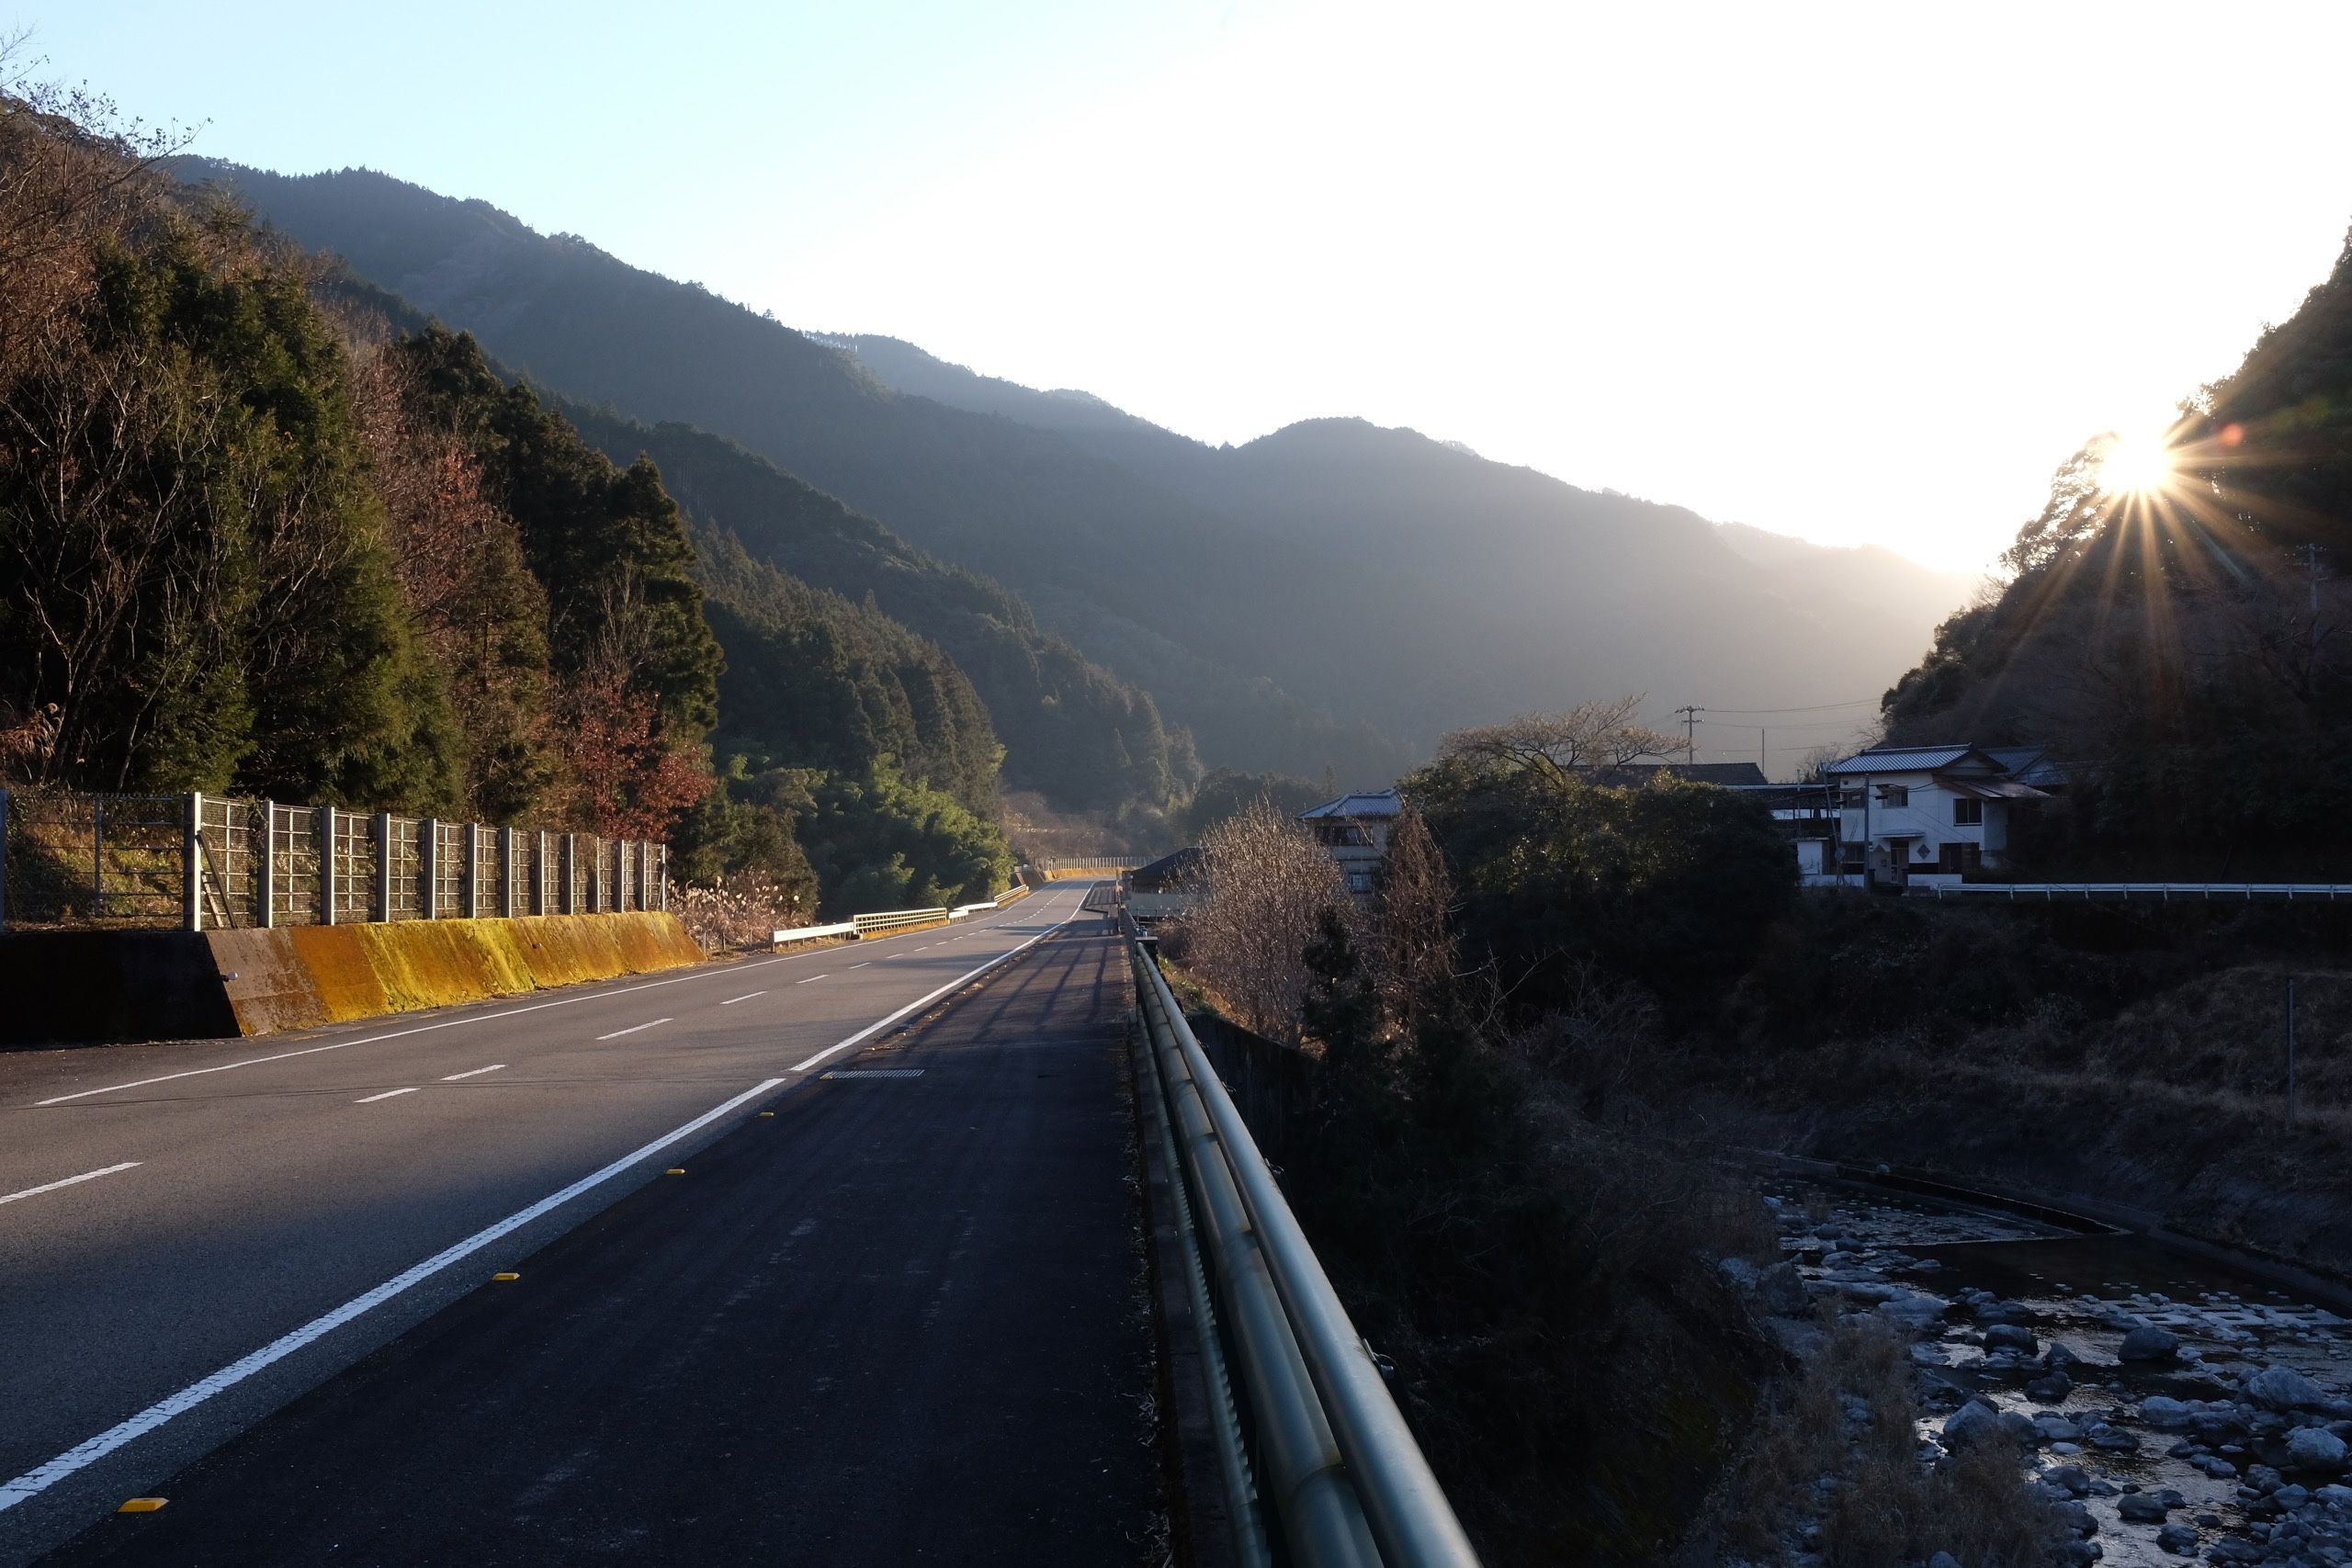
(894, 1320)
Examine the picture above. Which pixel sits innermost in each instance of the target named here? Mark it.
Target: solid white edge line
(42, 1477)
(445, 1023)
(386, 1095)
(633, 1028)
(458, 1077)
(53, 1186)
(876, 1028)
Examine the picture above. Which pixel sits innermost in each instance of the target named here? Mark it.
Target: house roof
(1909, 758)
(2027, 765)
(1992, 789)
(1378, 802)
(1731, 775)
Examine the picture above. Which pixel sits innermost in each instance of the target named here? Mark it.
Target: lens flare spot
(2134, 465)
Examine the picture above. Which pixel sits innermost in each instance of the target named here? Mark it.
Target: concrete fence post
(468, 879)
(4, 857)
(428, 868)
(322, 824)
(383, 865)
(192, 865)
(266, 879)
(567, 895)
(506, 872)
(665, 879)
(540, 871)
(644, 874)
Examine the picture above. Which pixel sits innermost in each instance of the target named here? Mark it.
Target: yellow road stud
(675, 1170)
(504, 1275)
(143, 1505)
(767, 1115)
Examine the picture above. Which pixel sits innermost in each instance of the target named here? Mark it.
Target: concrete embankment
(65, 988)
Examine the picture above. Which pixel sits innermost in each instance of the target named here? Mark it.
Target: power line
(1810, 707)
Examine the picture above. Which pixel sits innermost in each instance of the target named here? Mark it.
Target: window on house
(1967, 813)
(1893, 794)
(1852, 798)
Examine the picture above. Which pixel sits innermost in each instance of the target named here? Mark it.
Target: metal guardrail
(896, 919)
(2121, 892)
(1335, 1464)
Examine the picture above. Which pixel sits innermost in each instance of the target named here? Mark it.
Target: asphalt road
(894, 1289)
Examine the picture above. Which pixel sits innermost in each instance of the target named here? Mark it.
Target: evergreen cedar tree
(2167, 650)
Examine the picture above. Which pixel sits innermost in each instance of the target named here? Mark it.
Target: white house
(1927, 814)
(1354, 830)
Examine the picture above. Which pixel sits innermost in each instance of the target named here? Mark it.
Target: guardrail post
(265, 882)
(384, 866)
(192, 866)
(324, 827)
(468, 879)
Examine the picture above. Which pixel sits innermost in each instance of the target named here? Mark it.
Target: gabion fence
(199, 861)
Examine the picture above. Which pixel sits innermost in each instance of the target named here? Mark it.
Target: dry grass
(1889, 1508)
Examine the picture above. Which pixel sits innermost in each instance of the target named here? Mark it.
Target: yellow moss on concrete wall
(304, 976)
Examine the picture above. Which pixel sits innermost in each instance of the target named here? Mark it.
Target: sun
(2136, 465)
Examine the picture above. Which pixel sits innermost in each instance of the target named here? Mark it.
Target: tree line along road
(863, 1289)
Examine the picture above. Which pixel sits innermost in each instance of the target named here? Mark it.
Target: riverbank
(2162, 1408)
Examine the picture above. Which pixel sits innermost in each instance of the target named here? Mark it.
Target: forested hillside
(261, 533)
(1086, 739)
(1133, 575)
(2183, 647)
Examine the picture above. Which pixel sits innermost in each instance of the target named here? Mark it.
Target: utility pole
(1689, 713)
(1763, 754)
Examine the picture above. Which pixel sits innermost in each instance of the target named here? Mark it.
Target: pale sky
(1863, 273)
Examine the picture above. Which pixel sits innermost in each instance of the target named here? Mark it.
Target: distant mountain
(1295, 601)
(1497, 544)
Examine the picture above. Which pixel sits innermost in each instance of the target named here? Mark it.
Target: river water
(2223, 1480)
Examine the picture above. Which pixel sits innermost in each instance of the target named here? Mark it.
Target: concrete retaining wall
(124, 986)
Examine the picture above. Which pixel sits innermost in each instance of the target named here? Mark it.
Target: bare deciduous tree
(1263, 885)
(1584, 738)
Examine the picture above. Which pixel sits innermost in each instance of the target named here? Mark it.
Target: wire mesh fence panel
(449, 872)
(487, 879)
(115, 860)
(355, 868)
(401, 884)
(162, 861)
(228, 850)
(294, 872)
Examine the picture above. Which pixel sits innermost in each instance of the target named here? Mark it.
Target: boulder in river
(2283, 1388)
(1972, 1423)
(2011, 1336)
(2180, 1540)
(2139, 1508)
(2315, 1448)
(2148, 1343)
(2166, 1414)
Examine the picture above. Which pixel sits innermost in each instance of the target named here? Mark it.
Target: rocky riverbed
(2172, 1410)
